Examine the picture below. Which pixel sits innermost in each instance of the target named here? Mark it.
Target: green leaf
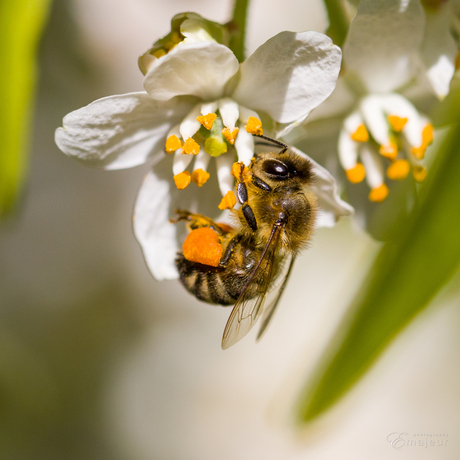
(21, 22)
(405, 277)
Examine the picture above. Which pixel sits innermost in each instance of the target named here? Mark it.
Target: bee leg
(229, 250)
(195, 221)
(242, 195)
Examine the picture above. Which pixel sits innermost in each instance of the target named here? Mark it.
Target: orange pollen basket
(203, 246)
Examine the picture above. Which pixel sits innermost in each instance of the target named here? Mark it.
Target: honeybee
(273, 223)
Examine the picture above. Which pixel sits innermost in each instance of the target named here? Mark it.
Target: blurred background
(100, 361)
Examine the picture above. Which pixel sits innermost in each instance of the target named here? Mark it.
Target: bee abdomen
(204, 282)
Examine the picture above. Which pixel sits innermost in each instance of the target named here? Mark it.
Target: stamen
(389, 151)
(361, 134)
(427, 134)
(254, 126)
(191, 147)
(419, 152)
(182, 180)
(397, 123)
(173, 143)
(207, 120)
(228, 201)
(378, 194)
(230, 135)
(419, 173)
(202, 246)
(200, 177)
(356, 175)
(398, 170)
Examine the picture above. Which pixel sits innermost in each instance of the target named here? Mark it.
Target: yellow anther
(389, 151)
(228, 201)
(207, 120)
(182, 180)
(200, 177)
(419, 152)
(230, 135)
(427, 134)
(378, 194)
(254, 126)
(356, 175)
(191, 147)
(173, 143)
(419, 173)
(397, 123)
(361, 134)
(398, 170)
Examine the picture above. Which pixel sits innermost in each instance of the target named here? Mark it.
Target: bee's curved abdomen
(205, 282)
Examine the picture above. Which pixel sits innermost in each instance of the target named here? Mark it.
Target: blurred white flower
(201, 103)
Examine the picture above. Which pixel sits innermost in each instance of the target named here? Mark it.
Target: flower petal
(119, 132)
(198, 69)
(382, 41)
(156, 235)
(289, 75)
(244, 145)
(439, 49)
(331, 206)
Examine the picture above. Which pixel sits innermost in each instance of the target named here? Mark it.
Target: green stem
(237, 27)
(338, 21)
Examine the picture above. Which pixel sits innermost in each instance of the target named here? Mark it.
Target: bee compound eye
(275, 168)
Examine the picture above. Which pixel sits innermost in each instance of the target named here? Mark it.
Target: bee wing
(268, 312)
(247, 310)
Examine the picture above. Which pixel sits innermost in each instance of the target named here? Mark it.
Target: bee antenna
(273, 141)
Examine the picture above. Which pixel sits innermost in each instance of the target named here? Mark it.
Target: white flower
(198, 100)
(384, 133)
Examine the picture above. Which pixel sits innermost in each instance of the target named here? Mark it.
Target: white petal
(376, 122)
(374, 168)
(224, 167)
(198, 69)
(121, 131)
(348, 150)
(244, 145)
(202, 160)
(181, 161)
(190, 125)
(382, 41)
(245, 113)
(331, 206)
(439, 49)
(289, 75)
(153, 231)
(229, 112)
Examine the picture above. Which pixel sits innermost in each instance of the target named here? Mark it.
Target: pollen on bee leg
(173, 143)
(202, 246)
(397, 123)
(389, 151)
(228, 201)
(191, 147)
(361, 134)
(398, 170)
(419, 173)
(378, 194)
(356, 175)
(229, 135)
(207, 120)
(182, 180)
(254, 126)
(200, 177)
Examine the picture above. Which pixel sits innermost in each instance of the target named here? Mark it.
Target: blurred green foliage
(404, 279)
(21, 23)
